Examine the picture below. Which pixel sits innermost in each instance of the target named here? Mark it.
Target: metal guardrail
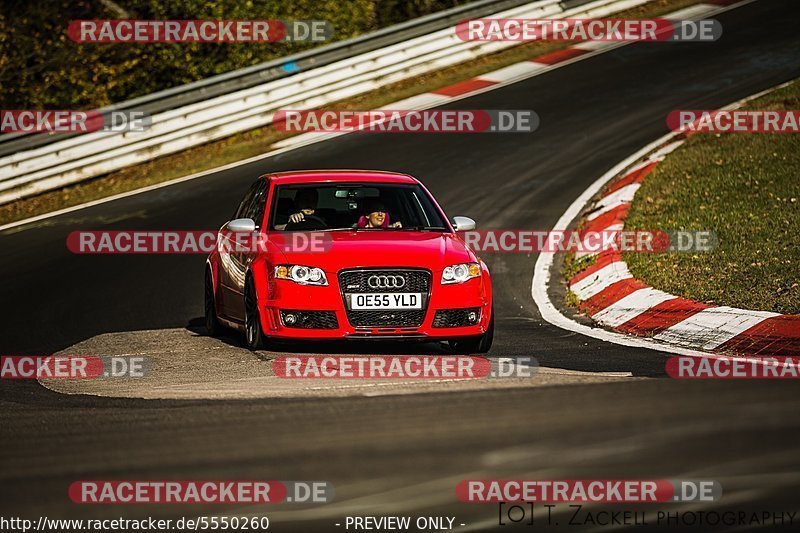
(197, 113)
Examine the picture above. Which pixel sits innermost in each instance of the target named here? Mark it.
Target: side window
(246, 201)
(258, 203)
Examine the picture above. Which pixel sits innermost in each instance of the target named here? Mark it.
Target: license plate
(395, 300)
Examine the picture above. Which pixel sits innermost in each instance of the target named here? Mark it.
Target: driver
(377, 217)
(306, 202)
(306, 218)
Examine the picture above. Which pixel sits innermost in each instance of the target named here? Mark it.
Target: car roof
(339, 176)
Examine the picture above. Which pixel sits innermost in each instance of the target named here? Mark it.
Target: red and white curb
(611, 296)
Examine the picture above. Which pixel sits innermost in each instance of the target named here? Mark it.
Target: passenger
(376, 217)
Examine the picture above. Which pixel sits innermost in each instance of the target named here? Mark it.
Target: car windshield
(354, 207)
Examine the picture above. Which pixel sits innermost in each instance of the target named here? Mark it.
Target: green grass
(746, 188)
(255, 142)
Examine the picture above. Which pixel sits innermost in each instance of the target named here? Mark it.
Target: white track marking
(661, 153)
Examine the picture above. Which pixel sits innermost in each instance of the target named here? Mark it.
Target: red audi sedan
(348, 254)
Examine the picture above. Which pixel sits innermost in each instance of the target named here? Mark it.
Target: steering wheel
(310, 222)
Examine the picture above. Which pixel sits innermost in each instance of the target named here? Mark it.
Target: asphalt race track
(404, 454)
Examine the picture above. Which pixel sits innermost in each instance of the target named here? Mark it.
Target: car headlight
(460, 273)
(301, 274)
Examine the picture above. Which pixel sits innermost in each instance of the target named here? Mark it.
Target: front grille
(355, 281)
(454, 318)
(310, 319)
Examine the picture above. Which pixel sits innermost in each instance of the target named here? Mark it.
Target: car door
(231, 290)
(241, 258)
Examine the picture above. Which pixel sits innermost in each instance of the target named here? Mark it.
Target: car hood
(383, 248)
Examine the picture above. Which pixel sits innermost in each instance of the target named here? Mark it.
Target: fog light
(472, 316)
(289, 319)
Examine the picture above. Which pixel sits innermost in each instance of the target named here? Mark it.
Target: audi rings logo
(386, 282)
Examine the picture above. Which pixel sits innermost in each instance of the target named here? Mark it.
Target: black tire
(213, 327)
(253, 334)
(481, 344)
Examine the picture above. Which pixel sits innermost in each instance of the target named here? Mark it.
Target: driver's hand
(297, 217)
(396, 225)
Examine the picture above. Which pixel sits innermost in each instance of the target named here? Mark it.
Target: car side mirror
(463, 224)
(241, 225)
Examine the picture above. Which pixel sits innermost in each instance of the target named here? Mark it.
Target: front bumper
(285, 295)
